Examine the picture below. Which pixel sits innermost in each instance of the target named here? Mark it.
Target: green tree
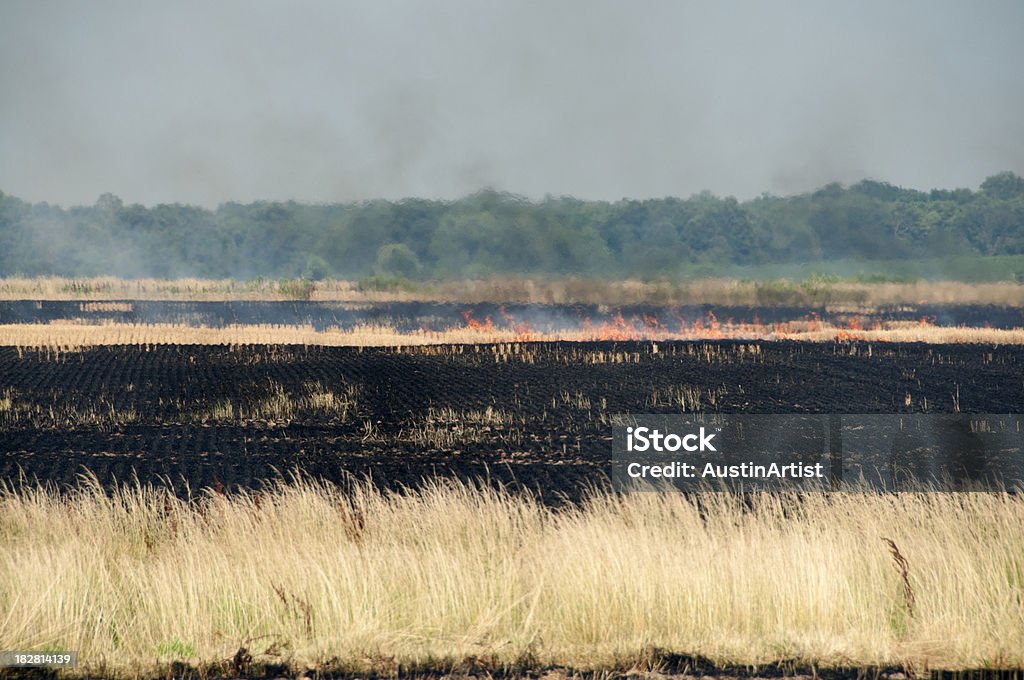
(1003, 186)
(397, 259)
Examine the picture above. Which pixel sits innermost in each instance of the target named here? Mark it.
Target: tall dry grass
(305, 574)
(72, 336)
(75, 335)
(855, 295)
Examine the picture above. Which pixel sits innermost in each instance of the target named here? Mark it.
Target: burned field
(531, 414)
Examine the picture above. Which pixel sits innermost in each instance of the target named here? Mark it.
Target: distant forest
(494, 233)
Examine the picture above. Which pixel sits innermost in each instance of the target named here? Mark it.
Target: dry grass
(446, 428)
(920, 333)
(687, 398)
(69, 336)
(275, 405)
(60, 337)
(304, 574)
(568, 290)
(112, 288)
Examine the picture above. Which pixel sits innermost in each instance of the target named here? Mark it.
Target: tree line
(497, 233)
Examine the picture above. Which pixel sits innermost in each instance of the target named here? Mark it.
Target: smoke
(204, 103)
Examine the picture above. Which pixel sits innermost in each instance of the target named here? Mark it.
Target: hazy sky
(335, 101)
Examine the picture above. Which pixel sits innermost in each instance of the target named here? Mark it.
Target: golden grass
(276, 405)
(446, 428)
(687, 398)
(921, 333)
(72, 336)
(566, 290)
(101, 288)
(305, 574)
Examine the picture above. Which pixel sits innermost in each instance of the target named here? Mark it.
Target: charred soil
(519, 414)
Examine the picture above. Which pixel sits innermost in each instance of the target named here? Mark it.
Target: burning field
(247, 488)
(62, 323)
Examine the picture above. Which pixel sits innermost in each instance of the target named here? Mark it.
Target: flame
(616, 329)
(647, 326)
(486, 327)
(522, 330)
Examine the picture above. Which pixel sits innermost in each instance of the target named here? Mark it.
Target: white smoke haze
(197, 102)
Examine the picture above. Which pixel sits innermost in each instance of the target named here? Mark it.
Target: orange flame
(486, 327)
(649, 327)
(616, 329)
(523, 332)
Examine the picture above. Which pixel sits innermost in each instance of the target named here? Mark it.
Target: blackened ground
(420, 413)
